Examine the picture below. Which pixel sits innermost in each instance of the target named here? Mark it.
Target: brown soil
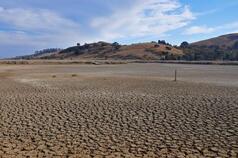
(110, 116)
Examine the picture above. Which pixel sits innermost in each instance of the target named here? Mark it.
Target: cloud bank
(36, 28)
(193, 30)
(144, 18)
(198, 30)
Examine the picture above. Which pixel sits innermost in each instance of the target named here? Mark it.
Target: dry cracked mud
(111, 116)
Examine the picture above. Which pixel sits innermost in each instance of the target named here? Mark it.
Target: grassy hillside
(40, 54)
(225, 41)
(220, 48)
(103, 50)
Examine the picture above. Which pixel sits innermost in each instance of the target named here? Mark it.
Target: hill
(225, 41)
(220, 48)
(103, 50)
(40, 54)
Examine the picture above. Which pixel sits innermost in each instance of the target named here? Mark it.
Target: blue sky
(29, 25)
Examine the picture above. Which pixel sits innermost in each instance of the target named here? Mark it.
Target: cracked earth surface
(96, 116)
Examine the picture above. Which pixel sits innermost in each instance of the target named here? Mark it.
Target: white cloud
(199, 30)
(233, 26)
(39, 41)
(37, 28)
(230, 27)
(35, 19)
(144, 18)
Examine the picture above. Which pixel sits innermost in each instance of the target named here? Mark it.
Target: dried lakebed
(106, 115)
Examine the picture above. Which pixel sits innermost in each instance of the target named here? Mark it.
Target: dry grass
(60, 62)
(110, 62)
(6, 74)
(74, 75)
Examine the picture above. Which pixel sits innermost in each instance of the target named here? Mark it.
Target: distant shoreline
(104, 62)
(192, 62)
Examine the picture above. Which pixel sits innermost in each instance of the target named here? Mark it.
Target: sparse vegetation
(41, 54)
(220, 48)
(163, 42)
(168, 48)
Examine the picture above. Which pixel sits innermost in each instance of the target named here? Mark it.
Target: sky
(30, 25)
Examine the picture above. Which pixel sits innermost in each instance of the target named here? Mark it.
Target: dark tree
(235, 46)
(164, 42)
(161, 42)
(184, 44)
(116, 45)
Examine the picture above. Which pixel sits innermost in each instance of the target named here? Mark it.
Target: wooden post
(175, 76)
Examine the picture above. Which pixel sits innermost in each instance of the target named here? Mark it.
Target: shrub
(235, 46)
(168, 48)
(184, 44)
(116, 45)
